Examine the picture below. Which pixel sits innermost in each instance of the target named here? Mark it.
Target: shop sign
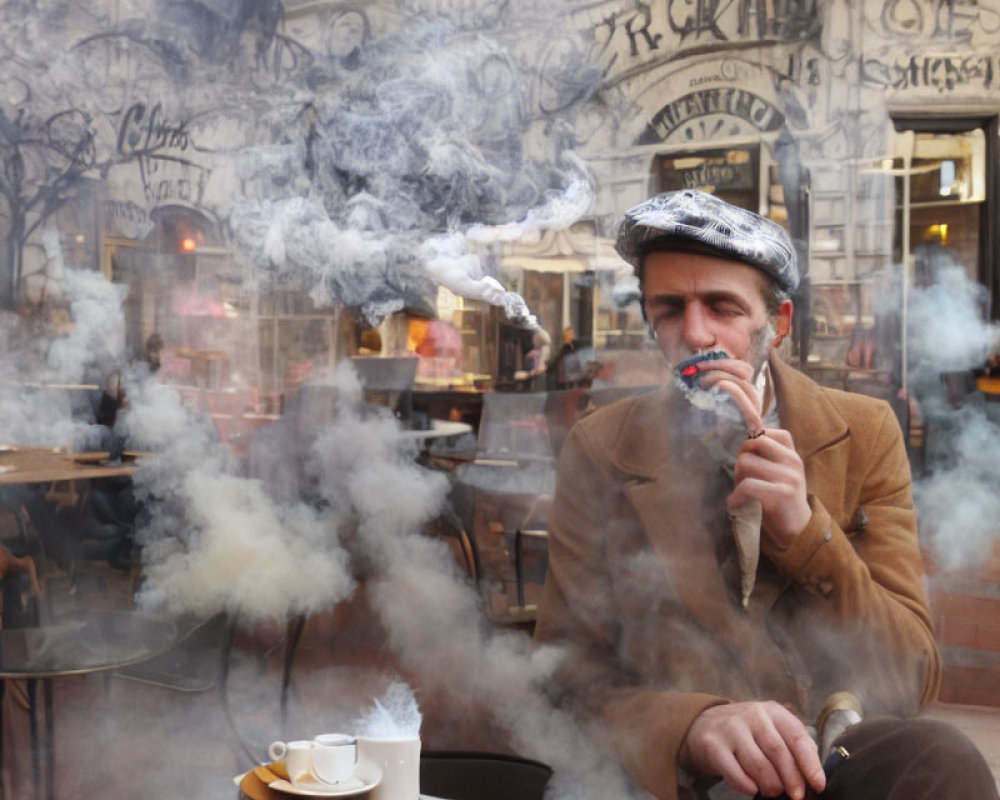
(712, 103)
(721, 99)
(126, 219)
(718, 174)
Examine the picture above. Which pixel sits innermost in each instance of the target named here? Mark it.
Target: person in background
(370, 343)
(565, 367)
(154, 352)
(111, 500)
(733, 559)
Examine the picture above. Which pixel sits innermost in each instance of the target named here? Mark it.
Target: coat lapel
(805, 411)
(666, 492)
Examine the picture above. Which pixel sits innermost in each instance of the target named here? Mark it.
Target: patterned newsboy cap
(693, 220)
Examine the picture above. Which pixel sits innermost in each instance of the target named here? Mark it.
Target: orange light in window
(937, 233)
(188, 245)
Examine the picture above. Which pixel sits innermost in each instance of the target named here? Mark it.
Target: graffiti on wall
(161, 147)
(939, 73)
(956, 21)
(640, 35)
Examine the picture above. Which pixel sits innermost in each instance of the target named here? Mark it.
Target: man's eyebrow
(665, 297)
(723, 296)
(711, 297)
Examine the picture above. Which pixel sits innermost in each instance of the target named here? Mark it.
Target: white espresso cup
(399, 761)
(329, 759)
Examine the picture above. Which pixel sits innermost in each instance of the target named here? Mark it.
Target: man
(705, 674)
(565, 367)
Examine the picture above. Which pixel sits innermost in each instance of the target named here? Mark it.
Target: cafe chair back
(470, 775)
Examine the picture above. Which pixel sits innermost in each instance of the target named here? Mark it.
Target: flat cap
(690, 220)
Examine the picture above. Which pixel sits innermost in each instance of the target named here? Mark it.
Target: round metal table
(93, 641)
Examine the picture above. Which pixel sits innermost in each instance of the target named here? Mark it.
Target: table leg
(3, 691)
(36, 756)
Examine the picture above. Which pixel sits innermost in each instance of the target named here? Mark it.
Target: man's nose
(698, 333)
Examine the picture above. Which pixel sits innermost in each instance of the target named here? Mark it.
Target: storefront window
(940, 193)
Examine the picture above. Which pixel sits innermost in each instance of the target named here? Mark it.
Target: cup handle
(277, 750)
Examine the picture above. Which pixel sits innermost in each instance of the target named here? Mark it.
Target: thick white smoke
(87, 349)
(957, 496)
(365, 184)
(433, 615)
(216, 540)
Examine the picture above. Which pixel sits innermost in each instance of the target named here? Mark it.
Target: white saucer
(365, 779)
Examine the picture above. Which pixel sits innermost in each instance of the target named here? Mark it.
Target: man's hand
(754, 747)
(769, 470)
(734, 377)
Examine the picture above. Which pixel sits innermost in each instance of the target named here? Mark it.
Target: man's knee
(916, 758)
(941, 743)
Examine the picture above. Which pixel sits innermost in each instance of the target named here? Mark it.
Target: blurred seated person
(111, 500)
(439, 345)
(113, 399)
(370, 343)
(565, 368)
(154, 352)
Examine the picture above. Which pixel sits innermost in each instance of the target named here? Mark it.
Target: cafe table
(80, 644)
(254, 785)
(439, 429)
(19, 465)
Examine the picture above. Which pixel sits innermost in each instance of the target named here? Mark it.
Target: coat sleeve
(645, 726)
(867, 583)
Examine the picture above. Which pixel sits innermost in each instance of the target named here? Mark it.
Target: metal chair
(20, 596)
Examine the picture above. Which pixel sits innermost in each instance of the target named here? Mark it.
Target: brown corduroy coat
(654, 631)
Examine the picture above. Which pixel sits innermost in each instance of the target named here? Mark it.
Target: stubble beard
(760, 347)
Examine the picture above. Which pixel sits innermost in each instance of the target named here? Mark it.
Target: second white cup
(329, 758)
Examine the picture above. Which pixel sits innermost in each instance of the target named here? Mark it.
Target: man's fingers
(765, 769)
(755, 747)
(803, 749)
(745, 397)
(758, 460)
(783, 772)
(735, 776)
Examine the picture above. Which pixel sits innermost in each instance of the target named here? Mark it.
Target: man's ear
(783, 325)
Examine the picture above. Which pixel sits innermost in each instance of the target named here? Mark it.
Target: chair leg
(293, 635)
(50, 740)
(3, 688)
(36, 765)
(519, 566)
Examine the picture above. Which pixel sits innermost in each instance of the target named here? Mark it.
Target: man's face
(697, 302)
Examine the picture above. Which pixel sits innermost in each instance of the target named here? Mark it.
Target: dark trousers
(916, 759)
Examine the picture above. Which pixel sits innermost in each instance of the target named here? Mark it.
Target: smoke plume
(948, 337)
